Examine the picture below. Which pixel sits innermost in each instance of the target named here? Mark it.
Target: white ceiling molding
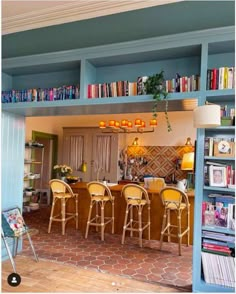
(16, 18)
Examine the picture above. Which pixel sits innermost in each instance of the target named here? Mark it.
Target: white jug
(182, 185)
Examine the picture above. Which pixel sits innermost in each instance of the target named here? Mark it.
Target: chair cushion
(137, 202)
(100, 198)
(174, 206)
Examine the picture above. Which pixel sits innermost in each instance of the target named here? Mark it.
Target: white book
(221, 78)
(230, 77)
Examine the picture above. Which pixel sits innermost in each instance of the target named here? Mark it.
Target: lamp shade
(206, 116)
(188, 161)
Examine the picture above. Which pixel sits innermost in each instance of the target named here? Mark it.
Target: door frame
(40, 135)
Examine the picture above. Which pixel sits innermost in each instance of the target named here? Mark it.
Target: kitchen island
(157, 211)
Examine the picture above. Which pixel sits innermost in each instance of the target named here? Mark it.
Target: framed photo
(217, 176)
(224, 149)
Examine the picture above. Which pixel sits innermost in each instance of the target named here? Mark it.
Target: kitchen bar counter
(157, 210)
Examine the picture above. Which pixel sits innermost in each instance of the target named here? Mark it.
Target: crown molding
(70, 12)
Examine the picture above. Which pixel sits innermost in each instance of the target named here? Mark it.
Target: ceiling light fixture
(126, 126)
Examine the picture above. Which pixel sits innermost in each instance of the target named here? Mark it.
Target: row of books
(183, 84)
(218, 269)
(218, 236)
(226, 111)
(217, 247)
(41, 94)
(220, 212)
(118, 88)
(221, 78)
(210, 148)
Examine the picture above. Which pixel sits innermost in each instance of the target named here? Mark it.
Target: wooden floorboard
(47, 276)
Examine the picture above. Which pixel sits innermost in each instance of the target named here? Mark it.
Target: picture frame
(217, 176)
(224, 148)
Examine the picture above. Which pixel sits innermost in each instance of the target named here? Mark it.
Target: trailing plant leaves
(155, 85)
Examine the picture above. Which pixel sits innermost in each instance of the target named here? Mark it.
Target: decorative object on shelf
(188, 164)
(224, 149)
(135, 142)
(207, 116)
(126, 126)
(63, 170)
(217, 176)
(156, 85)
(188, 142)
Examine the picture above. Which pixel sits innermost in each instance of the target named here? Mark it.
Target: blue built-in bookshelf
(191, 53)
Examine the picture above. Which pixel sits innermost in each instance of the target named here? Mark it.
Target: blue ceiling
(139, 24)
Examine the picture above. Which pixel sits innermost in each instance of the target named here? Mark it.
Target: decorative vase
(63, 179)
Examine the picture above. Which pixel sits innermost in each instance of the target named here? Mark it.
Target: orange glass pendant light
(102, 124)
(126, 126)
(153, 123)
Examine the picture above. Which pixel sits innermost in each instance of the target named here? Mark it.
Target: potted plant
(63, 170)
(155, 85)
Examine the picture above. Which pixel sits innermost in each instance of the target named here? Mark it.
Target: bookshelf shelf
(218, 230)
(219, 158)
(219, 189)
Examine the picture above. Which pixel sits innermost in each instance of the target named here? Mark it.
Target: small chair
(13, 226)
(175, 200)
(100, 195)
(62, 191)
(136, 196)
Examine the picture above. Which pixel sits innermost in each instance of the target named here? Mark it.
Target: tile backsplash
(158, 161)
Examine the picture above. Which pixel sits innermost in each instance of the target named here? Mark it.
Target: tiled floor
(145, 264)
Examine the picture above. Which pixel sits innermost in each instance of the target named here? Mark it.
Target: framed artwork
(217, 176)
(224, 149)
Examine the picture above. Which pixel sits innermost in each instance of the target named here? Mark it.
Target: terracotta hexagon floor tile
(168, 276)
(120, 266)
(154, 277)
(63, 259)
(170, 269)
(89, 258)
(146, 264)
(97, 262)
(128, 272)
(139, 277)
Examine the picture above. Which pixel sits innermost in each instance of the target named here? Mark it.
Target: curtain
(76, 151)
(103, 153)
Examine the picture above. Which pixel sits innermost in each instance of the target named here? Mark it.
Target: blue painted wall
(12, 153)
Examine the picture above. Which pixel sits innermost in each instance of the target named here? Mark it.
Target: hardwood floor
(48, 276)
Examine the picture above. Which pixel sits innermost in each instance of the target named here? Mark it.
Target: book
(221, 214)
(13, 223)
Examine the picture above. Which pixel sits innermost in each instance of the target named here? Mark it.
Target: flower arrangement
(63, 170)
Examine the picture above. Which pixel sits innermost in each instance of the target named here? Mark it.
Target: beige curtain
(76, 151)
(103, 153)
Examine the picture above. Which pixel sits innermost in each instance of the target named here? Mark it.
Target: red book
(228, 174)
(89, 91)
(213, 78)
(217, 250)
(216, 247)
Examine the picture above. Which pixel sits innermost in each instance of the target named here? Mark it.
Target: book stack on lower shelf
(218, 240)
(218, 269)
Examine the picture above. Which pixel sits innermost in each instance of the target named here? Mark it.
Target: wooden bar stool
(175, 200)
(100, 195)
(62, 191)
(136, 197)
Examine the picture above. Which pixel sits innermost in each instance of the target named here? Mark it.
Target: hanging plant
(156, 85)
